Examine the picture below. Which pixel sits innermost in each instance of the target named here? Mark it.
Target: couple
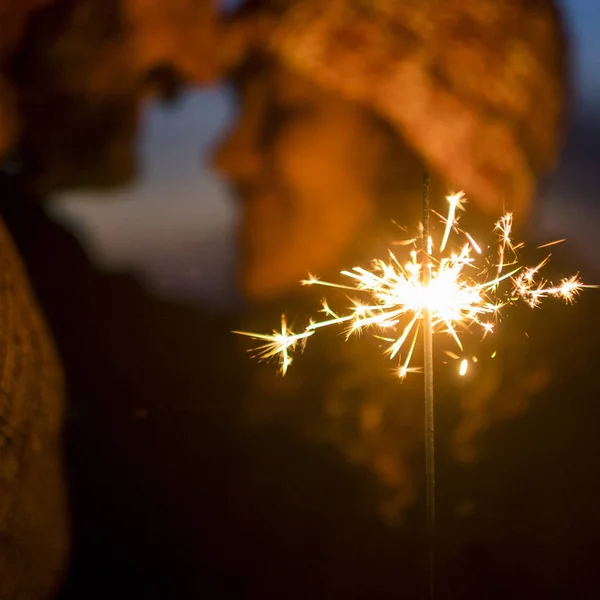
(231, 482)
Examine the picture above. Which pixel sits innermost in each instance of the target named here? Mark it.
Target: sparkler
(452, 289)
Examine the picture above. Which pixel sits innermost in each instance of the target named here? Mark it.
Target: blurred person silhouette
(73, 76)
(193, 471)
(381, 90)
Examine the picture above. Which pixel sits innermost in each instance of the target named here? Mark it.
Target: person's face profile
(303, 161)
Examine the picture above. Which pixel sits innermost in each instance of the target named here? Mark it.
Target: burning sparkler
(436, 290)
(462, 287)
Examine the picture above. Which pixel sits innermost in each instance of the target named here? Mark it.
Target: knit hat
(476, 87)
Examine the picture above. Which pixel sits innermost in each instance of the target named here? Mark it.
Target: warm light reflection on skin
(466, 290)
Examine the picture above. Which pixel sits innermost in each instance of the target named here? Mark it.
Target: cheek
(320, 157)
(265, 222)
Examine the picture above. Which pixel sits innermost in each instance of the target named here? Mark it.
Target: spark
(455, 201)
(279, 343)
(504, 229)
(464, 289)
(554, 243)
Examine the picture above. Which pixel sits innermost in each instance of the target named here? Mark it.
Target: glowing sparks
(279, 343)
(455, 201)
(462, 288)
(554, 243)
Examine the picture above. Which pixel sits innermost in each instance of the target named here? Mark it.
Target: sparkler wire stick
(428, 394)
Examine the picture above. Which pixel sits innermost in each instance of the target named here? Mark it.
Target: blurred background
(174, 227)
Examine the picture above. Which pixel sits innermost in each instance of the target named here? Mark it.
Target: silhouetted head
(77, 74)
(345, 104)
